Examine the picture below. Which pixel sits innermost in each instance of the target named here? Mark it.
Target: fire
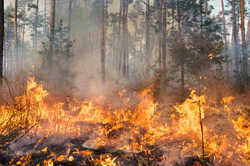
(190, 112)
(211, 56)
(105, 160)
(136, 125)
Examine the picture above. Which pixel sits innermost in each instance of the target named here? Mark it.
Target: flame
(211, 56)
(136, 124)
(190, 112)
(105, 160)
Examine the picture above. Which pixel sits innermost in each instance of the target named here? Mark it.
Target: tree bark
(15, 22)
(160, 32)
(235, 38)
(52, 32)
(248, 31)
(1, 38)
(164, 39)
(173, 18)
(102, 34)
(243, 38)
(206, 7)
(119, 38)
(224, 35)
(125, 66)
(69, 27)
(180, 41)
(36, 22)
(201, 15)
(148, 50)
(15, 33)
(23, 44)
(45, 16)
(248, 35)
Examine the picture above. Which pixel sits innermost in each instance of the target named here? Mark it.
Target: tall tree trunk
(248, 30)
(69, 27)
(160, 32)
(6, 50)
(206, 7)
(120, 38)
(35, 28)
(201, 15)
(248, 35)
(148, 50)
(243, 38)
(164, 39)
(180, 41)
(225, 35)
(1, 38)
(102, 34)
(16, 38)
(235, 38)
(52, 32)
(113, 51)
(173, 18)
(125, 65)
(23, 39)
(45, 16)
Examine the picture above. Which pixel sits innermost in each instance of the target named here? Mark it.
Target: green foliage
(60, 41)
(194, 52)
(201, 42)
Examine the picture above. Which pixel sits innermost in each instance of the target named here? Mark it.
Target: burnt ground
(77, 155)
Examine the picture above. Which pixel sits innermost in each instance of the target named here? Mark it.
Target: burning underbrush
(129, 129)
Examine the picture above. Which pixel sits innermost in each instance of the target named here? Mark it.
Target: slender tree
(224, 34)
(147, 35)
(164, 34)
(102, 34)
(52, 31)
(235, 37)
(248, 31)
(201, 15)
(15, 22)
(45, 16)
(124, 16)
(69, 27)
(180, 41)
(15, 33)
(206, 7)
(119, 37)
(36, 23)
(243, 38)
(160, 31)
(1, 38)
(248, 35)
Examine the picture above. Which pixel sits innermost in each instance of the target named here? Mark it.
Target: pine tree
(147, 35)
(243, 38)
(1, 38)
(102, 34)
(164, 35)
(36, 25)
(52, 31)
(235, 37)
(248, 35)
(69, 27)
(16, 35)
(225, 35)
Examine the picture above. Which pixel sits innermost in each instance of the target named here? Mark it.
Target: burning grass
(131, 130)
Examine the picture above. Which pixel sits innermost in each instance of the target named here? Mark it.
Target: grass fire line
(90, 133)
